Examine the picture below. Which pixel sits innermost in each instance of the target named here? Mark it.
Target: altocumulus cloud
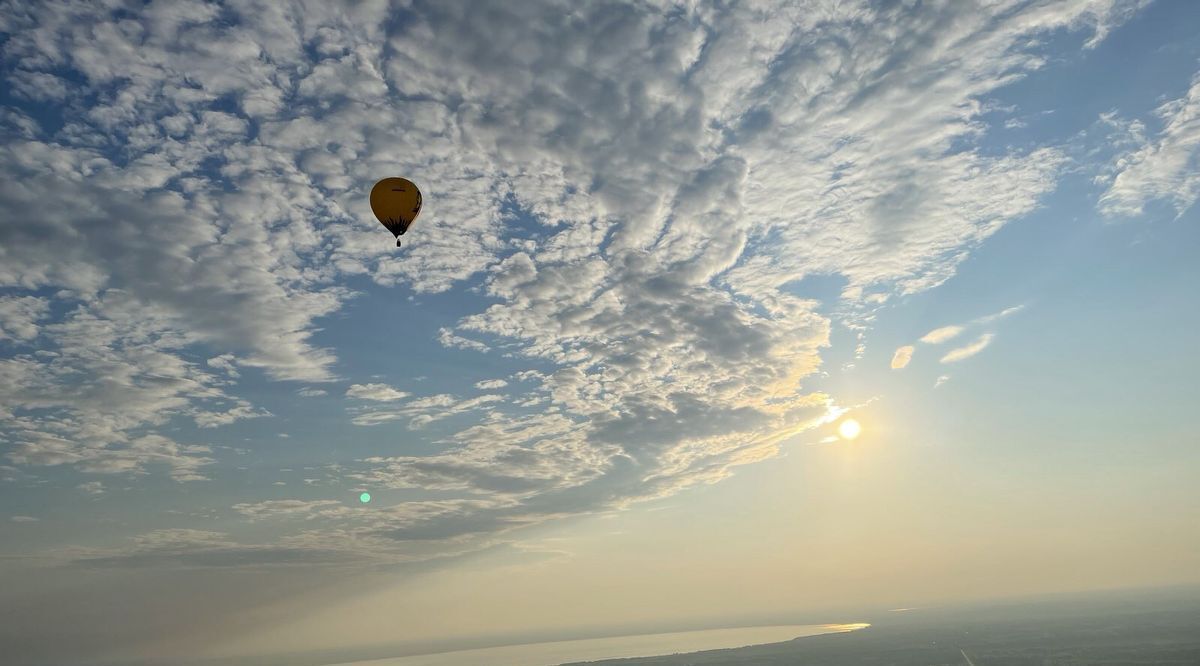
(681, 164)
(376, 392)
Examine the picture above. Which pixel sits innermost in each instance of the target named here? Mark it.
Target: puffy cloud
(107, 370)
(238, 411)
(967, 351)
(226, 363)
(491, 384)
(225, 287)
(19, 316)
(449, 339)
(630, 186)
(375, 392)
(901, 358)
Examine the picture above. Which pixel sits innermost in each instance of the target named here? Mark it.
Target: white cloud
(490, 384)
(940, 335)
(375, 392)
(947, 333)
(92, 487)
(289, 509)
(942, 379)
(311, 392)
(423, 411)
(191, 548)
(902, 356)
(113, 371)
(673, 172)
(134, 455)
(24, 519)
(967, 351)
(449, 339)
(987, 319)
(226, 363)
(333, 534)
(1166, 167)
(239, 410)
(19, 316)
(1105, 16)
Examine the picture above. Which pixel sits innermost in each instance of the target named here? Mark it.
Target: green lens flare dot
(364, 498)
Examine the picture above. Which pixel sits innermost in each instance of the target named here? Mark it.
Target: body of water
(591, 649)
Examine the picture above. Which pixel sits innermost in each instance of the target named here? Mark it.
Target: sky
(666, 249)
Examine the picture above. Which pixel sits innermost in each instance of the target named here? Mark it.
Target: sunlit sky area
(669, 253)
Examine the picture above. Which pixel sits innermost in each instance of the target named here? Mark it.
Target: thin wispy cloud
(939, 335)
(987, 319)
(967, 351)
(946, 333)
(375, 392)
(92, 487)
(1165, 167)
(425, 410)
(289, 508)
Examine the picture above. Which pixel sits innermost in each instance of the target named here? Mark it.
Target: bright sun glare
(849, 429)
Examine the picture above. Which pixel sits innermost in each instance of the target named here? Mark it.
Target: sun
(849, 429)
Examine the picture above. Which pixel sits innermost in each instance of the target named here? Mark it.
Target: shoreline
(576, 652)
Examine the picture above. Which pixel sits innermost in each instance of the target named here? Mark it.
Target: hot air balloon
(396, 202)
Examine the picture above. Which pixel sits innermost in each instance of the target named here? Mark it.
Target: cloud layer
(631, 187)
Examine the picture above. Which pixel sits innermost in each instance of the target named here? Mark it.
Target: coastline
(581, 651)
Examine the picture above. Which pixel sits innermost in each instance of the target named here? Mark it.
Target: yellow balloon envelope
(396, 202)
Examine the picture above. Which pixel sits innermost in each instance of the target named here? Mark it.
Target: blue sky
(665, 249)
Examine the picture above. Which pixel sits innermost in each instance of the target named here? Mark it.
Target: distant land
(1127, 627)
(1145, 627)
(550, 653)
